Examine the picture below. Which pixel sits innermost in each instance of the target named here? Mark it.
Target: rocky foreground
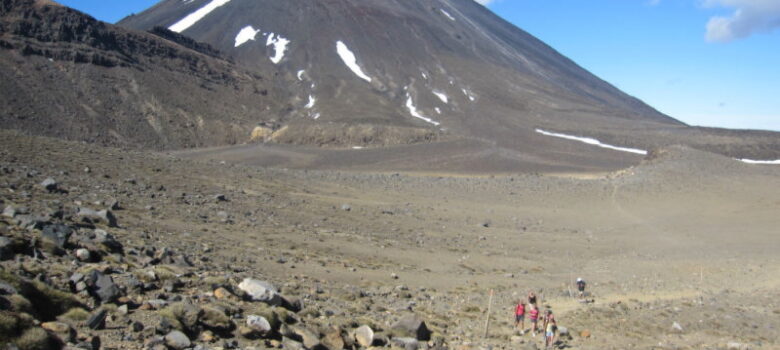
(114, 249)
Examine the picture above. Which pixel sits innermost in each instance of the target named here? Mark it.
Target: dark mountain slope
(494, 75)
(66, 74)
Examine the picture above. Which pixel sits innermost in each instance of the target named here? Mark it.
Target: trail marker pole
(487, 318)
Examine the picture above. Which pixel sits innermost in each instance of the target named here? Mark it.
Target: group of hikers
(549, 325)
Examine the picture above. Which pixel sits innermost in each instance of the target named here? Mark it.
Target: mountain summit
(445, 65)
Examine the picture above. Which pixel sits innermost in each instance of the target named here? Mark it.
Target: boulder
(364, 336)
(412, 326)
(177, 340)
(261, 291)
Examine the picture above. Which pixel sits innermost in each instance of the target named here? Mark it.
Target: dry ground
(686, 237)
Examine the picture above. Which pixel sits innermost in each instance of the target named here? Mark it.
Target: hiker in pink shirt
(520, 316)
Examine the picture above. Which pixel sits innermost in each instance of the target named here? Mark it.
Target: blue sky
(705, 62)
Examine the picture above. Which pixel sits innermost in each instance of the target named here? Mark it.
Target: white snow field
(591, 141)
(350, 60)
(196, 16)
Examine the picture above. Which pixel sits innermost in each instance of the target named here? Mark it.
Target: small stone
(6, 248)
(346, 207)
(177, 340)
(137, 326)
(406, 343)
(208, 336)
(364, 336)
(57, 235)
(122, 310)
(222, 293)
(332, 339)
(10, 212)
(62, 330)
(98, 319)
(220, 198)
(412, 326)
(83, 254)
(49, 184)
(260, 291)
(677, 327)
(105, 216)
(259, 324)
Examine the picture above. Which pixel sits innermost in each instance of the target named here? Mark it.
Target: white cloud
(749, 17)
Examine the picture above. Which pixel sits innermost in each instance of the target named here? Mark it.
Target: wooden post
(487, 318)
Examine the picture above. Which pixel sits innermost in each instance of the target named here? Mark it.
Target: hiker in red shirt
(533, 315)
(520, 316)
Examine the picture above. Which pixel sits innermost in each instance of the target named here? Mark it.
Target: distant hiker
(520, 316)
(581, 287)
(533, 315)
(531, 298)
(550, 327)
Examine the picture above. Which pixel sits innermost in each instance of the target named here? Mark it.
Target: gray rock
(177, 340)
(258, 324)
(113, 204)
(309, 339)
(98, 319)
(7, 289)
(83, 254)
(220, 198)
(57, 234)
(261, 291)
(104, 216)
(346, 207)
(103, 286)
(49, 184)
(412, 326)
(108, 241)
(406, 343)
(11, 212)
(6, 248)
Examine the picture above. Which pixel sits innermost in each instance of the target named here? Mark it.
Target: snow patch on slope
(448, 15)
(413, 111)
(311, 103)
(300, 74)
(591, 141)
(196, 16)
(280, 46)
(350, 60)
(246, 34)
(441, 96)
(765, 162)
